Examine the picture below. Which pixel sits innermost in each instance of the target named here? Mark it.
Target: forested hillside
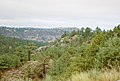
(36, 34)
(83, 55)
(92, 53)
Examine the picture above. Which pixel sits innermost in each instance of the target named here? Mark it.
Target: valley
(35, 34)
(81, 55)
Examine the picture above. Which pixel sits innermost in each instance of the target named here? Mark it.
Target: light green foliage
(99, 39)
(109, 55)
(91, 50)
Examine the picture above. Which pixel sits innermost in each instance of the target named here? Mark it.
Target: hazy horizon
(60, 13)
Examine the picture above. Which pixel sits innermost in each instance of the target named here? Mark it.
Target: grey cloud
(54, 13)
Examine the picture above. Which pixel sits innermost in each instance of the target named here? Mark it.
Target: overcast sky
(60, 13)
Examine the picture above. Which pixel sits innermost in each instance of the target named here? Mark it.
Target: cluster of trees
(92, 49)
(14, 52)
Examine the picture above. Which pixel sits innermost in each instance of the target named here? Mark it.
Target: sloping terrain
(30, 71)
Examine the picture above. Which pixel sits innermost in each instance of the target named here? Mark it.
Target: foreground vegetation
(95, 75)
(83, 51)
(83, 55)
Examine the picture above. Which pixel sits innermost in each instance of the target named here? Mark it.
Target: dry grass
(94, 75)
(21, 74)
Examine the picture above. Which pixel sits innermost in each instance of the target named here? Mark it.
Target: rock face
(37, 34)
(42, 48)
(67, 40)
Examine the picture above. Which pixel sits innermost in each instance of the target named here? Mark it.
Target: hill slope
(85, 53)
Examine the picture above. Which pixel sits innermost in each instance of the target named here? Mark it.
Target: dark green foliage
(98, 30)
(29, 52)
(87, 32)
(14, 52)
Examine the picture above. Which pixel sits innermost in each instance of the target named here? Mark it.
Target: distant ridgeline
(37, 34)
